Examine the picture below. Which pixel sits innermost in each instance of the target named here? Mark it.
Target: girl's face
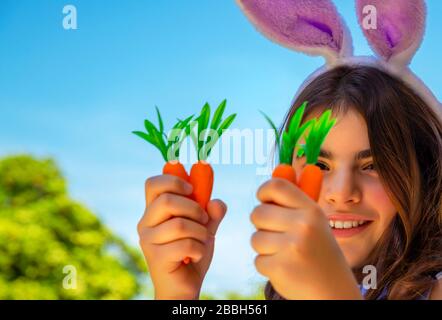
(352, 196)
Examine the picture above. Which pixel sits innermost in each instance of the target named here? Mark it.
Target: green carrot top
(206, 136)
(287, 141)
(169, 145)
(317, 135)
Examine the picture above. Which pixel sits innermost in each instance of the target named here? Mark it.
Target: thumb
(216, 209)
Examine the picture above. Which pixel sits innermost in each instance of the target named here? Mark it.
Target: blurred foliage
(42, 230)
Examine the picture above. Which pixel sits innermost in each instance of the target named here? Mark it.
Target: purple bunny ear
(398, 29)
(310, 26)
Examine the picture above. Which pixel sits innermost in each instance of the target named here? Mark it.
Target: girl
(380, 204)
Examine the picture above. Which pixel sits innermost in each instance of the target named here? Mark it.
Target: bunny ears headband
(314, 27)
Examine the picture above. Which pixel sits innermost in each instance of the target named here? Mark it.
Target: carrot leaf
(294, 132)
(203, 122)
(300, 152)
(216, 135)
(176, 138)
(146, 137)
(217, 116)
(160, 120)
(168, 145)
(226, 124)
(296, 121)
(207, 135)
(317, 135)
(287, 140)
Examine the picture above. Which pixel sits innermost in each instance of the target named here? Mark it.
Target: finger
(284, 193)
(268, 243)
(216, 210)
(169, 205)
(177, 229)
(176, 251)
(157, 185)
(264, 264)
(272, 217)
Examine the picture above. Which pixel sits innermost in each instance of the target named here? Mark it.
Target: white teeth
(339, 224)
(345, 224)
(348, 224)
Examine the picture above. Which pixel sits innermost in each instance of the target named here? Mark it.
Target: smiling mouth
(347, 224)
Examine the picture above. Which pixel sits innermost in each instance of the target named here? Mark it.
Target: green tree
(42, 230)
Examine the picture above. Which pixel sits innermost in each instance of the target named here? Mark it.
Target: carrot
(176, 169)
(201, 178)
(169, 150)
(287, 142)
(311, 180)
(285, 171)
(201, 173)
(311, 177)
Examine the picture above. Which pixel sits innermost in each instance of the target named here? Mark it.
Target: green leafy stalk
(207, 136)
(174, 143)
(168, 145)
(287, 141)
(317, 135)
(203, 122)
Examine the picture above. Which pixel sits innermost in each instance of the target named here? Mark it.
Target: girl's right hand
(175, 227)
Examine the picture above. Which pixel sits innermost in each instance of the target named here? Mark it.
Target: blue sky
(76, 95)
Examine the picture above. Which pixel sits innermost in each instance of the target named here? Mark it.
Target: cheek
(376, 197)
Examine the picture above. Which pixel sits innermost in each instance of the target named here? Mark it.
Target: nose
(341, 188)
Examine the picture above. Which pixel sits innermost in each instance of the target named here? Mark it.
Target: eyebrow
(364, 154)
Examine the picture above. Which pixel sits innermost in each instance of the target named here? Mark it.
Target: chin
(354, 256)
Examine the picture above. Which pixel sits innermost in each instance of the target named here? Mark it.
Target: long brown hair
(405, 137)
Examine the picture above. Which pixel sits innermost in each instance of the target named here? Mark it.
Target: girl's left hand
(296, 249)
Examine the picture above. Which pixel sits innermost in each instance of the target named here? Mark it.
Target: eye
(369, 167)
(322, 166)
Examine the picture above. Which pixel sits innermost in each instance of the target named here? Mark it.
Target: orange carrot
(311, 177)
(170, 148)
(286, 142)
(285, 171)
(201, 174)
(201, 178)
(176, 169)
(208, 133)
(311, 180)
